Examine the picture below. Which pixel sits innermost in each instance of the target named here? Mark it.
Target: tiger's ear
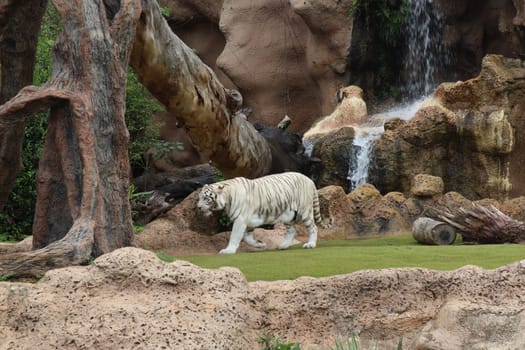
(220, 186)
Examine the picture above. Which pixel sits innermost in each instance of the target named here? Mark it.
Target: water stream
(425, 54)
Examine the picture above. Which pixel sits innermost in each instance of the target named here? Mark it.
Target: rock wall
(130, 299)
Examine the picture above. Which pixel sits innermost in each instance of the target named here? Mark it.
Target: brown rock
(474, 28)
(334, 204)
(515, 208)
(361, 196)
(426, 186)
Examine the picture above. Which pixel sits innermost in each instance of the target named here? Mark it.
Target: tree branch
(192, 93)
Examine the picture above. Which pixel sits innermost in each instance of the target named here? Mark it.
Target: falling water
(425, 55)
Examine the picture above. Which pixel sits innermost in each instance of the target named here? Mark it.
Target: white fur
(287, 198)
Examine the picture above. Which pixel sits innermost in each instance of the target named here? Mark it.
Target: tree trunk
(19, 27)
(429, 231)
(485, 225)
(83, 178)
(192, 93)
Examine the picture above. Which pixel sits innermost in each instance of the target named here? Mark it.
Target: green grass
(346, 256)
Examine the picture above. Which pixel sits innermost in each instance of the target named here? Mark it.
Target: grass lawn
(346, 256)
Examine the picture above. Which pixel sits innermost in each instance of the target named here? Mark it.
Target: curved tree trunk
(192, 93)
(83, 178)
(19, 27)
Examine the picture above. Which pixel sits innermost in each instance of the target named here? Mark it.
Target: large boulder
(469, 134)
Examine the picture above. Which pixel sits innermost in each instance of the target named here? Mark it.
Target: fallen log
(429, 231)
(485, 225)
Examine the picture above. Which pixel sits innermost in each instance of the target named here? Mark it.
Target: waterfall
(425, 55)
(363, 140)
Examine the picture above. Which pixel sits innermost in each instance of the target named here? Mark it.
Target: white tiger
(286, 198)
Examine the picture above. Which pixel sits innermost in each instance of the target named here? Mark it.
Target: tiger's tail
(317, 213)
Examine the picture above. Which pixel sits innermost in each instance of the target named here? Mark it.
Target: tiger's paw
(227, 251)
(309, 245)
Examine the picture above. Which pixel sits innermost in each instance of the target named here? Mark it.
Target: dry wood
(485, 225)
(429, 231)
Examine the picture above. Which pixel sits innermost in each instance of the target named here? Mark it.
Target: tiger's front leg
(238, 230)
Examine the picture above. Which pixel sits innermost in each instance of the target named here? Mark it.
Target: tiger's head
(211, 199)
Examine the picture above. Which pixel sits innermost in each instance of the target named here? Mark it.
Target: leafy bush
(275, 343)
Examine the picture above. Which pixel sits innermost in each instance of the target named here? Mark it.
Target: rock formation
(469, 134)
(285, 57)
(131, 299)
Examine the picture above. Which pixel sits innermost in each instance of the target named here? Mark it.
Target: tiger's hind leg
(290, 235)
(236, 235)
(312, 238)
(251, 241)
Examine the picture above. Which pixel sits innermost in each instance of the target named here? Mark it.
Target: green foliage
(225, 221)
(346, 256)
(380, 47)
(165, 11)
(391, 17)
(275, 343)
(164, 257)
(4, 277)
(143, 132)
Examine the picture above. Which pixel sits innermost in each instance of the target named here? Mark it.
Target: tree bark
(19, 28)
(485, 225)
(82, 206)
(429, 231)
(83, 178)
(192, 93)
